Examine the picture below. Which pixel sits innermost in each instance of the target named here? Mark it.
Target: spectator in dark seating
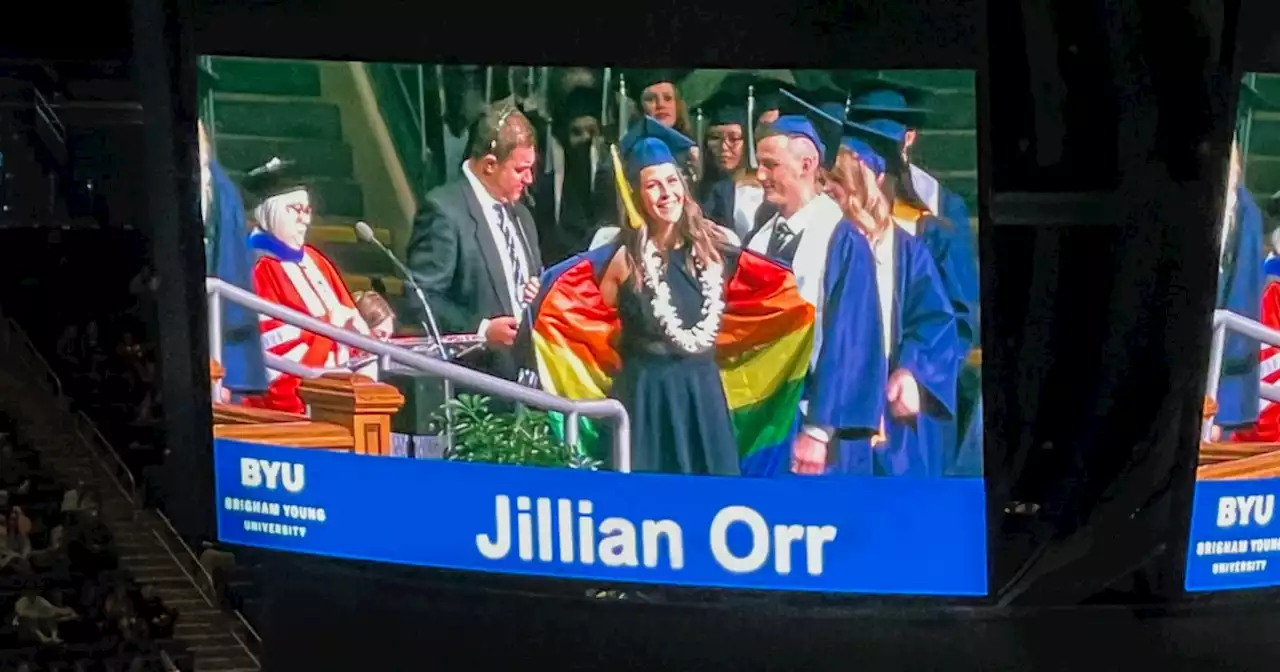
(158, 618)
(37, 618)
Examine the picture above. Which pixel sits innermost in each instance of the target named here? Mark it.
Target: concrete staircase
(1262, 172)
(264, 108)
(147, 545)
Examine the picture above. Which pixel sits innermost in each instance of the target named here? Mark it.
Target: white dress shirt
(489, 206)
(886, 282)
(747, 199)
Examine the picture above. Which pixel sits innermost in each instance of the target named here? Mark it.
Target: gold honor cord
(634, 220)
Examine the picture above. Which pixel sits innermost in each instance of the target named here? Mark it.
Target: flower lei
(702, 335)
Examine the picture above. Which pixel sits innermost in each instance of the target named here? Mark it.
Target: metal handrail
(35, 360)
(83, 420)
(1224, 321)
(48, 372)
(173, 532)
(573, 409)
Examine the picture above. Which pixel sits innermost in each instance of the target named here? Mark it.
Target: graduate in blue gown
(1240, 282)
(921, 339)
(891, 111)
(844, 396)
(227, 257)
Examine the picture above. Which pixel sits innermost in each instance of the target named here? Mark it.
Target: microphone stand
(432, 327)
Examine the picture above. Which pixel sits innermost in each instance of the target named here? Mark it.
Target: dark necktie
(518, 275)
(782, 234)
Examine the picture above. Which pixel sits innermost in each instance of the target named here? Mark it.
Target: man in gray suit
(474, 248)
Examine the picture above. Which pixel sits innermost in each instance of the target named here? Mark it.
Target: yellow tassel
(634, 220)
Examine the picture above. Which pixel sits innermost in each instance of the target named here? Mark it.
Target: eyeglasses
(730, 139)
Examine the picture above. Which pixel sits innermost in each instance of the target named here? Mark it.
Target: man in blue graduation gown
(227, 257)
(844, 399)
(892, 111)
(1240, 281)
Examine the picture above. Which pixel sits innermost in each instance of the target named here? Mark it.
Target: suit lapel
(488, 247)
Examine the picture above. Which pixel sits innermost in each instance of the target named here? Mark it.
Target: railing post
(215, 336)
(1217, 346)
(571, 430)
(622, 443)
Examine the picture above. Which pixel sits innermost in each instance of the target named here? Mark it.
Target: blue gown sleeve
(845, 389)
(953, 254)
(930, 346)
(1240, 291)
(242, 359)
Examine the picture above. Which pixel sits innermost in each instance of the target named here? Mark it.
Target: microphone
(365, 233)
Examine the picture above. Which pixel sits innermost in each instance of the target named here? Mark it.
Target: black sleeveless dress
(680, 420)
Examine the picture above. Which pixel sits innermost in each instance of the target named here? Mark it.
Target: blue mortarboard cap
(866, 153)
(799, 118)
(649, 143)
(884, 130)
(859, 85)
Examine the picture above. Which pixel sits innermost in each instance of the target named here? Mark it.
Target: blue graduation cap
(801, 119)
(649, 143)
(886, 107)
(872, 158)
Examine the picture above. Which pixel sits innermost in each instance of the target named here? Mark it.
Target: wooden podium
(349, 413)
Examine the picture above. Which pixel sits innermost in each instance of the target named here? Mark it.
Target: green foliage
(524, 437)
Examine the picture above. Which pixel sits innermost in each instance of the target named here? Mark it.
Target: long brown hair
(864, 203)
(701, 235)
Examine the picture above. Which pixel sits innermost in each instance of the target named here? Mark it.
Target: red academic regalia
(311, 286)
(1267, 430)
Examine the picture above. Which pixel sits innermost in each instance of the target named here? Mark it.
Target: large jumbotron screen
(1232, 542)
(690, 327)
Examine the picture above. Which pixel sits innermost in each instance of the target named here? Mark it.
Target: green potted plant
(525, 437)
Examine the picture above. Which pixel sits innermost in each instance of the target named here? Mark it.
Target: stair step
(313, 157)
(261, 75)
(277, 118)
(333, 230)
(358, 258)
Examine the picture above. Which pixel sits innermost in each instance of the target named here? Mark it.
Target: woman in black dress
(666, 278)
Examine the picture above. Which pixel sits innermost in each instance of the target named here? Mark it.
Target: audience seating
(64, 604)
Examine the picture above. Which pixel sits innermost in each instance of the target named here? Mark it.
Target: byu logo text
(1245, 511)
(255, 473)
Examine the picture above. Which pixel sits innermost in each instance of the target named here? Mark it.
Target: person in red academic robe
(293, 274)
(1267, 429)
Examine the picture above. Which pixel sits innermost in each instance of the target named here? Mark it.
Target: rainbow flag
(764, 348)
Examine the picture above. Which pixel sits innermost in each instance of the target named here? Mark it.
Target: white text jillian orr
(553, 531)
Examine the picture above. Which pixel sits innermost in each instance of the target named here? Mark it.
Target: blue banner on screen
(857, 535)
(1235, 538)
